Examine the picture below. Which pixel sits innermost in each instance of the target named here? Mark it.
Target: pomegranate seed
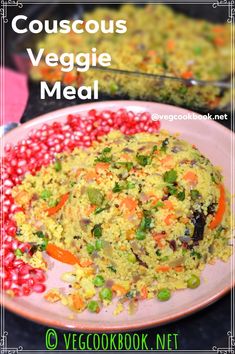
(39, 288)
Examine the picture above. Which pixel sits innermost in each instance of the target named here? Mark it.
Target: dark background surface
(202, 330)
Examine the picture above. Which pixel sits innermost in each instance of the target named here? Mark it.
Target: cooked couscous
(158, 41)
(137, 217)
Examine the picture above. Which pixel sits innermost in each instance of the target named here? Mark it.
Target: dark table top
(200, 331)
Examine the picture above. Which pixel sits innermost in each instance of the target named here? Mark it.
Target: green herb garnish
(112, 268)
(104, 155)
(170, 176)
(164, 145)
(194, 194)
(196, 254)
(181, 195)
(99, 210)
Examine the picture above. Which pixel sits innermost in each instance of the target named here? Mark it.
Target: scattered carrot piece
(163, 268)
(90, 210)
(218, 217)
(158, 237)
(120, 290)
(86, 263)
(61, 255)
(168, 204)
(78, 303)
(55, 209)
(179, 269)
(169, 219)
(170, 44)
(101, 166)
(144, 292)
(191, 177)
(219, 41)
(129, 203)
(52, 296)
(167, 161)
(90, 175)
(187, 75)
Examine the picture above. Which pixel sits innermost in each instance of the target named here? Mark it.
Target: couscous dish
(158, 41)
(136, 216)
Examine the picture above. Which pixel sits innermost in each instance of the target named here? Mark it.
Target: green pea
(95, 196)
(193, 282)
(106, 294)
(45, 194)
(90, 248)
(58, 166)
(140, 235)
(164, 294)
(98, 281)
(93, 306)
(98, 245)
(131, 258)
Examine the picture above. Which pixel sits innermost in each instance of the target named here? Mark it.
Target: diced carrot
(154, 198)
(169, 219)
(218, 29)
(170, 44)
(22, 198)
(90, 210)
(151, 53)
(78, 303)
(52, 296)
(129, 203)
(101, 166)
(188, 74)
(120, 290)
(218, 41)
(55, 209)
(218, 217)
(179, 269)
(109, 195)
(144, 292)
(79, 171)
(90, 175)
(168, 204)
(61, 255)
(158, 61)
(159, 237)
(163, 268)
(191, 177)
(69, 78)
(167, 161)
(86, 263)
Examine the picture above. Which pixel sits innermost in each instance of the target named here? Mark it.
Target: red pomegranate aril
(25, 269)
(39, 288)
(7, 284)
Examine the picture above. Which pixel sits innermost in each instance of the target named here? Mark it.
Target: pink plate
(215, 142)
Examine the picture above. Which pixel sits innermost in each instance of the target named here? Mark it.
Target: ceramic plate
(215, 142)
